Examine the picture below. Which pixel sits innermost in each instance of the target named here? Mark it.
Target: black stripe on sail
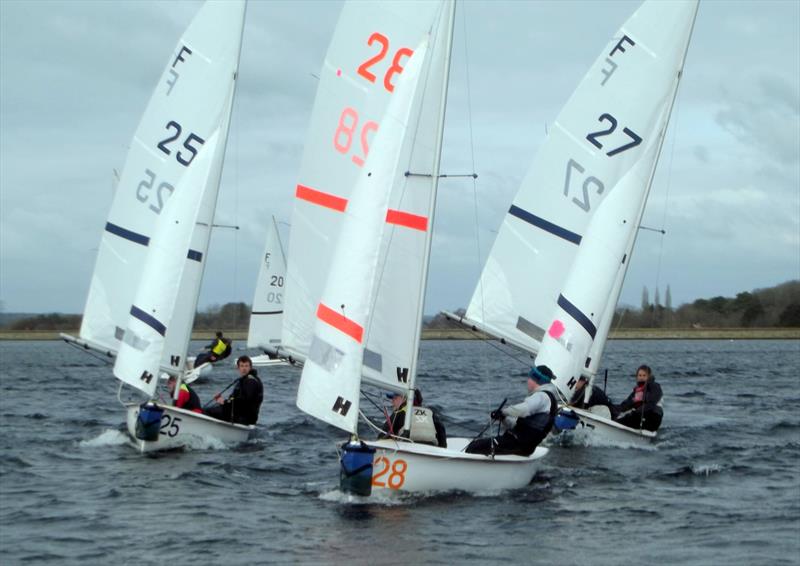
(195, 255)
(127, 234)
(149, 320)
(544, 224)
(579, 317)
(266, 312)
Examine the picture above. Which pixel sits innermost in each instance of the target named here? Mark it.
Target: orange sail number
(396, 471)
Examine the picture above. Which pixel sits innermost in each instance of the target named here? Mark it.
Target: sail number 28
(396, 472)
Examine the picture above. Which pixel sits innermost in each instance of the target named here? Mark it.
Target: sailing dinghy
(554, 275)
(146, 281)
(360, 242)
(266, 316)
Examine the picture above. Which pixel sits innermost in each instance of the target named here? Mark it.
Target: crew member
(528, 422)
(243, 404)
(187, 398)
(642, 409)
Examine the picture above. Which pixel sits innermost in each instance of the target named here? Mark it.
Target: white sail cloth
(605, 140)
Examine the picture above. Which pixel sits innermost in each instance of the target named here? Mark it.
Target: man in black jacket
(641, 409)
(596, 397)
(242, 406)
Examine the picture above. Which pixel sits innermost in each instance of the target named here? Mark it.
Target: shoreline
(462, 334)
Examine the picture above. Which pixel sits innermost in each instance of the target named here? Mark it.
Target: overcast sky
(75, 78)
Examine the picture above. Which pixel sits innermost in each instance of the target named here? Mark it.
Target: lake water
(720, 486)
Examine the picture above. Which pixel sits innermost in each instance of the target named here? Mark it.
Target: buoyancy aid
(638, 394)
(540, 423)
(421, 426)
(188, 399)
(219, 347)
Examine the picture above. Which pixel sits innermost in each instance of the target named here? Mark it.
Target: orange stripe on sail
(407, 219)
(322, 199)
(340, 322)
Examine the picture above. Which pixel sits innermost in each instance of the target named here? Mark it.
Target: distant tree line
(777, 306)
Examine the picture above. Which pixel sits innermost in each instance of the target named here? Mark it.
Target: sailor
(219, 349)
(187, 398)
(528, 422)
(242, 406)
(642, 409)
(425, 426)
(596, 397)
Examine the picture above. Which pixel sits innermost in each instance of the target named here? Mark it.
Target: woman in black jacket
(641, 409)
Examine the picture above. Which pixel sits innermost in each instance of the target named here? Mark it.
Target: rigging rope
(666, 201)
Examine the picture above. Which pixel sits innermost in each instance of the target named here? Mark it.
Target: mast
(435, 180)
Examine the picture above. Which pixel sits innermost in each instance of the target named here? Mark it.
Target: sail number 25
(396, 472)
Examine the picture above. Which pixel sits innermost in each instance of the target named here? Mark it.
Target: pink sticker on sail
(556, 329)
(338, 72)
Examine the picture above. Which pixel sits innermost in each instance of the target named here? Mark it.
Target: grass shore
(459, 334)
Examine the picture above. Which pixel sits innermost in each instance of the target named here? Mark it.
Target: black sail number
(191, 144)
(592, 136)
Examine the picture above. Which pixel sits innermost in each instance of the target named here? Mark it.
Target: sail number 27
(396, 472)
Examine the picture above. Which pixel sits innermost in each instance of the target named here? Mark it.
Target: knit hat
(541, 375)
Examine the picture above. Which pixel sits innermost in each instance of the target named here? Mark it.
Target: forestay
(267, 313)
(330, 383)
(656, 38)
(192, 101)
(605, 133)
(370, 48)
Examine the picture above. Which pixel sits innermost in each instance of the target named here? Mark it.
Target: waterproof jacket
(597, 397)
(245, 401)
(188, 399)
(651, 397)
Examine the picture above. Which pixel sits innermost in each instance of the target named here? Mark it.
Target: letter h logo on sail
(341, 406)
(174, 360)
(402, 375)
(146, 377)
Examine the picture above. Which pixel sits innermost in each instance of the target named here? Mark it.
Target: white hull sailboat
(146, 282)
(401, 466)
(360, 241)
(552, 280)
(179, 428)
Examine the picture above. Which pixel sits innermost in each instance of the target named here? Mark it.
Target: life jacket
(188, 399)
(539, 423)
(219, 348)
(638, 394)
(422, 427)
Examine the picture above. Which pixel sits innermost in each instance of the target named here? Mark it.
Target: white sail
(660, 33)
(371, 45)
(193, 99)
(604, 132)
(330, 383)
(144, 340)
(267, 313)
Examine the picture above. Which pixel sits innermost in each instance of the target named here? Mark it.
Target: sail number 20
(396, 472)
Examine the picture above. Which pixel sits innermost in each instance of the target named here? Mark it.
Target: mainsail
(190, 106)
(369, 50)
(604, 143)
(267, 314)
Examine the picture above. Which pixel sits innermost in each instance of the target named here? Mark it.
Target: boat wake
(109, 437)
(587, 439)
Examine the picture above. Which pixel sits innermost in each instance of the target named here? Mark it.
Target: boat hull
(607, 430)
(181, 428)
(410, 467)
